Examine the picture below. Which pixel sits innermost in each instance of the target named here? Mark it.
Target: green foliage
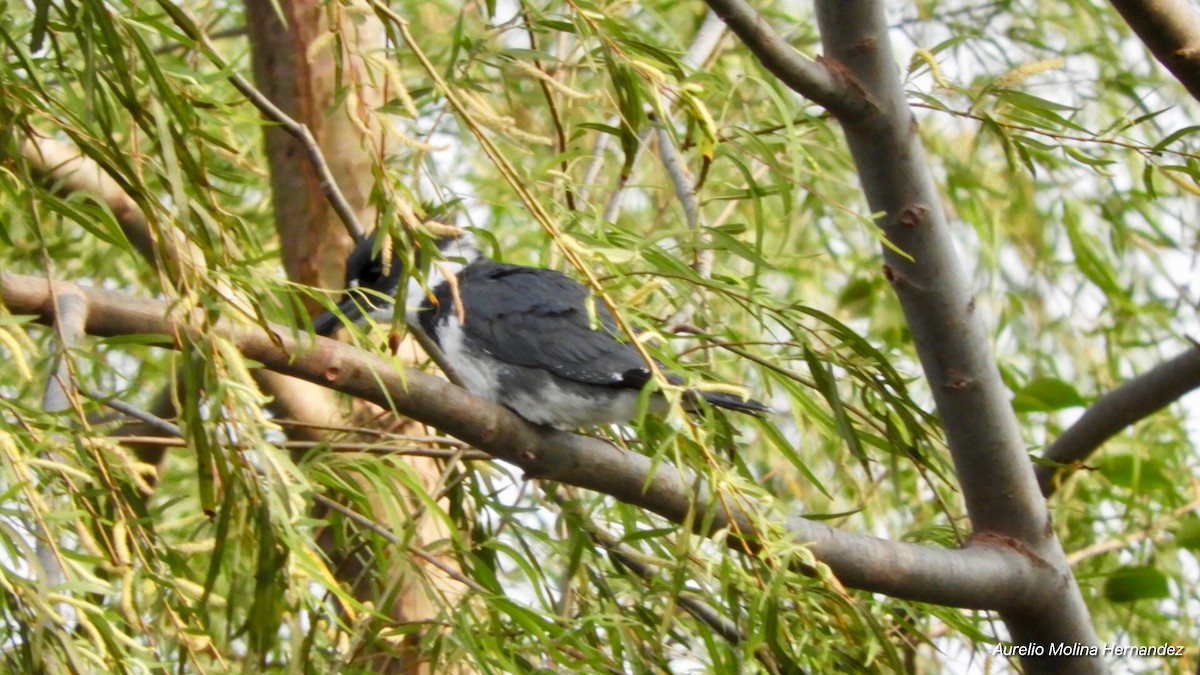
(1074, 184)
(1140, 582)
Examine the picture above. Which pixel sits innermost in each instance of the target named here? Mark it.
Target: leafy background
(1066, 159)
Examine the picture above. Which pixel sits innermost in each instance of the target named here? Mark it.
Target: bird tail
(732, 402)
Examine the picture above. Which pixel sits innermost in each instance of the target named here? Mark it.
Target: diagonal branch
(312, 151)
(989, 574)
(69, 171)
(1120, 408)
(815, 80)
(1170, 29)
(921, 264)
(693, 603)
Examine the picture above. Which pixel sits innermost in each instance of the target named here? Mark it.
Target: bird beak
(327, 323)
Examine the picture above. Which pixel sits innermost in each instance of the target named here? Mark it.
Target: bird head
(371, 285)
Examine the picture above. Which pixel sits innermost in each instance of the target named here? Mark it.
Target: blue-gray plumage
(531, 339)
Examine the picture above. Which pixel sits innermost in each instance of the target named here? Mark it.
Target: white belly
(537, 395)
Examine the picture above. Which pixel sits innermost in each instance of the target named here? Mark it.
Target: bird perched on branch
(530, 339)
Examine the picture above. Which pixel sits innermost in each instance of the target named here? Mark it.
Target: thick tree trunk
(304, 82)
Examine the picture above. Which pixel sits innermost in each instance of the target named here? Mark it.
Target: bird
(530, 339)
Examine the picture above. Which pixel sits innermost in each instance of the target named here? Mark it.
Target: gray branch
(998, 485)
(69, 324)
(1170, 29)
(1117, 410)
(817, 81)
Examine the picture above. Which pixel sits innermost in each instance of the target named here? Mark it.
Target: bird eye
(374, 272)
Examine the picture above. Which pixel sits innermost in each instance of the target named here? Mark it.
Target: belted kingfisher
(530, 339)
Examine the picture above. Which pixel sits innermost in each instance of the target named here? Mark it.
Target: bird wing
(539, 318)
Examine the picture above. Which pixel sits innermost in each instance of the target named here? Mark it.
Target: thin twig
(1146, 151)
(443, 441)
(236, 31)
(612, 208)
(458, 450)
(685, 192)
(392, 538)
(1118, 543)
(560, 134)
(690, 602)
(142, 416)
(297, 130)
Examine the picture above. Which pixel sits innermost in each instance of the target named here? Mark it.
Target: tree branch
(297, 130)
(923, 269)
(815, 80)
(692, 603)
(920, 262)
(922, 266)
(69, 171)
(1115, 411)
(989, 574)
(59, 395)
(1170, 29)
